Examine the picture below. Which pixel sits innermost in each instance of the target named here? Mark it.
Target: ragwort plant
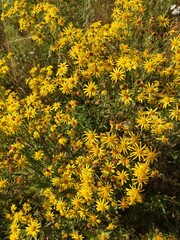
(83, 130)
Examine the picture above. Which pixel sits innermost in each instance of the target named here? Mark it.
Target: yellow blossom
(143, 122)
(175, 113)
(166, 101)
(141, 173)
(62, 69)
(102, 205)
(105, 191)
(125, 96)
(138, 151)
(38, 155)
(163, 21)
(117, 74)
(90, 89)
(33, 228)
(3, 183)
(133, 195)
(108, 168)
(122, 177)
(91, 137)
(175, 43)
(76, 236)
(149, 66)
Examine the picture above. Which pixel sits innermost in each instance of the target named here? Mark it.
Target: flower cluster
(80, 146)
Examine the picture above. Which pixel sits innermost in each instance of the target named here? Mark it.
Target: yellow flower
(4, 70)
(175, 113)
(156, 121)
(2, 61)
(138, 151)
(163, 21)
(109, 139)
(18, 216)
(111, 226)
(141, 173)
(61, 206)
(62, 141)
(90, 89)
(48, 171)
(77, 202)
(123, 203)
(122, 177)
(66, 88)
(3, 183)
(38, 37)
(69, 32)
(33, 228)
(46, 88)
(70, 168)
(14, 229)
(151, 112)
(38, 155)
(168, 71)
(143, 122)
(62, 69)
(150, 88)
(36, 134)
(93, 220)
(158, 129)
(124, 145)
(57, 225)
(13, 208)
(23, 24)
(60, 19)
(132, 65)
(56, 106)
(105, 191)
(124, 161)
(108, 168)
(97, 151)
(166, 101)
(150, 155)
(163, 139)
(141, 97)
(14, 236)
(49, 216)
(116, 152)
(102, 205)
(56, 181)
(125, 96)
(175, 43)
(133, 195)
(158, 235)
(86, 192)
(83, 213)
(76, 236)
(67, 181)
(149, 66)
(87, 171)
(103, 236)
(72, 104)
(123, 61)
(26, 207)
(30, 112)
(133, 138)
(117, 74)
(90, 137)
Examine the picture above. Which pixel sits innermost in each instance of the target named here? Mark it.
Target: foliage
(89, 121)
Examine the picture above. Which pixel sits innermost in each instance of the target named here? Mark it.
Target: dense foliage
(89, 119)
